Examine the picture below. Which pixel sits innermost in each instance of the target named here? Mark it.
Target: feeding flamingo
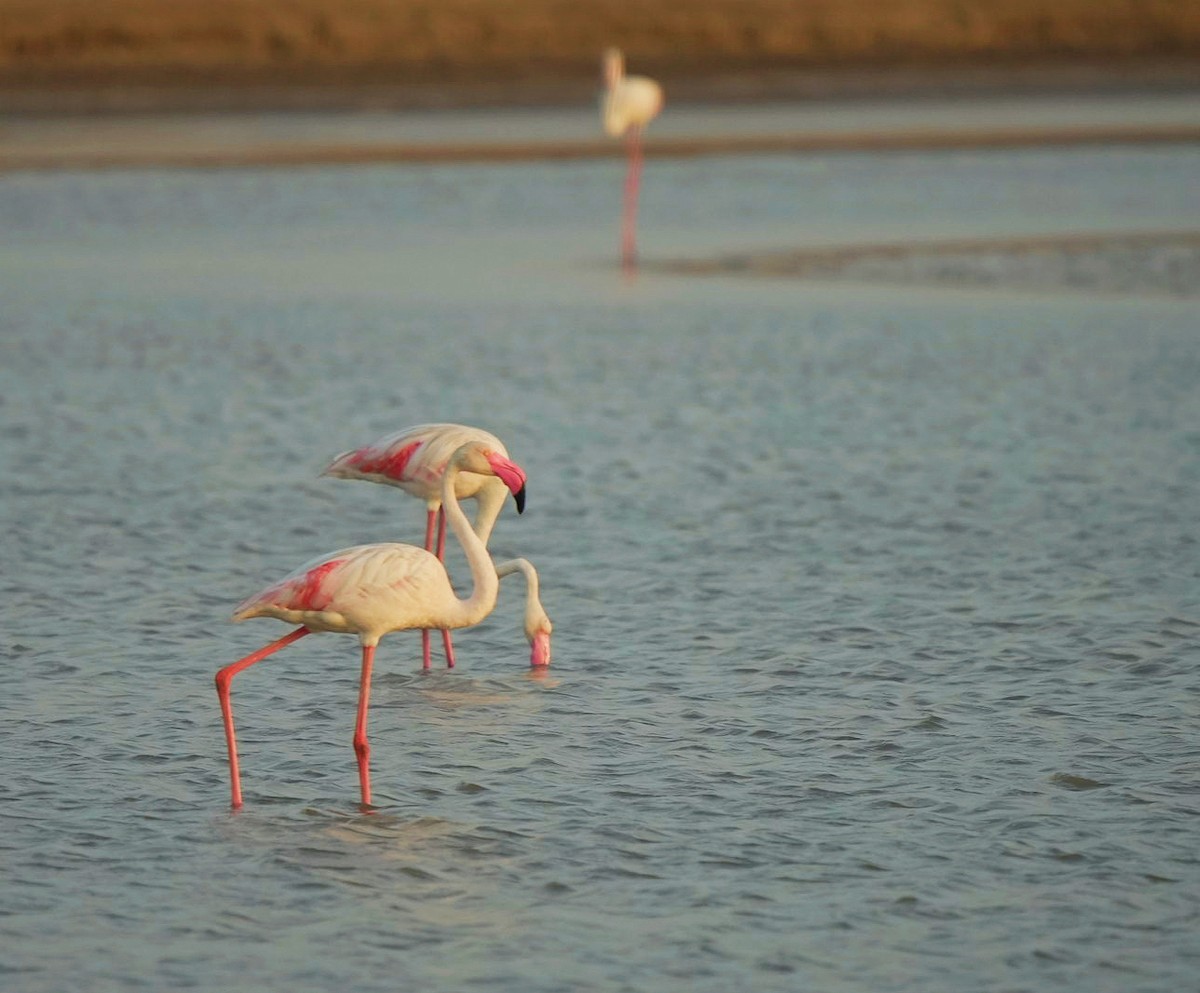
(415, 459)
(371, 590)
(629, 104)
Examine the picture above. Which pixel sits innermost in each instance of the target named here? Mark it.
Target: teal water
(876, 608)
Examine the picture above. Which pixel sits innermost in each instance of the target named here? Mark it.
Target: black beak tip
(519, 497)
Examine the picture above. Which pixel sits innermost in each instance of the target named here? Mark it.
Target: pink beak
(540, 655)
(512, 475)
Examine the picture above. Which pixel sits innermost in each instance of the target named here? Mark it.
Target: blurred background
(113, 54)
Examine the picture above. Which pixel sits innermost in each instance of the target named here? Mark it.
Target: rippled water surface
(876, 609)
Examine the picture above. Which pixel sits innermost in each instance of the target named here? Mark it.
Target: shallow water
(876, 609)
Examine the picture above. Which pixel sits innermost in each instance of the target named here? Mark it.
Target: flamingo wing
(384, 461)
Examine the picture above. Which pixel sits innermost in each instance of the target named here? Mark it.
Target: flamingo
(630, 103)
(415, 459)
(371, 590)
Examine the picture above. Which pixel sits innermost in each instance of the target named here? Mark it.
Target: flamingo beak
(513, 476)
(540, 655)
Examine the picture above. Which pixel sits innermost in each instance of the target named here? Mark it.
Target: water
(876, 608)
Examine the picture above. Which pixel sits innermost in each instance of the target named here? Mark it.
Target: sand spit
(1154, 262)
(237, 153)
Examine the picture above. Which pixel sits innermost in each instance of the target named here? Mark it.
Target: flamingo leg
(629, 215)
(362, 748)
(223, 680)
(430, 517)
(447, 643)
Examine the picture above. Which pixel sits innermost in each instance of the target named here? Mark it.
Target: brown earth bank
(122, 54)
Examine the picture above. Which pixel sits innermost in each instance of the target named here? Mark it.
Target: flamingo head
(614, 67)
(485, 461)
(537, 625)
(512, 475)
(539, 644)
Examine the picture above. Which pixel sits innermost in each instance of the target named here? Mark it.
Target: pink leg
(429, 519)
(223, 680)
(426, 650)
(441, 554)
(629, 217)
(362, 749)
(426, 657)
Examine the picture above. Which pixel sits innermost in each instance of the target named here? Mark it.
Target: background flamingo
(415, 460)
(630, 103)
(371, 590)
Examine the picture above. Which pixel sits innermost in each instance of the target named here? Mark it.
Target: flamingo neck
(489, 501)
(483, 572)
(614, 68)
(535, 614)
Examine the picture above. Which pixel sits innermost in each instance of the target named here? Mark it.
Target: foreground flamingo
(414, 459)
(630, 103)
(371, 590)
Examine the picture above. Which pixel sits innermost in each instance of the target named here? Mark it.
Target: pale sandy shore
(213, 140)
(49, 156)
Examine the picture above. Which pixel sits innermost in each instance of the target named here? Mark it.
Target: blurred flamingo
(629, 104)
(415, 459)
(372, 590)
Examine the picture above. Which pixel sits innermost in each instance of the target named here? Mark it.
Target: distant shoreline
(181, 92)
(124, 56)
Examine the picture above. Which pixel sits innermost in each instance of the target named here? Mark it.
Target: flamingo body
(629, 101)
(368, 590)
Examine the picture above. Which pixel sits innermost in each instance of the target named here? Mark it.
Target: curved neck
(490, 501)
(614, 67)
(525, 567)
(483, 573)
(534, 613)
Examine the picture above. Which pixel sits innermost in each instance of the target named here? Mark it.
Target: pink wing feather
(305, 589)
